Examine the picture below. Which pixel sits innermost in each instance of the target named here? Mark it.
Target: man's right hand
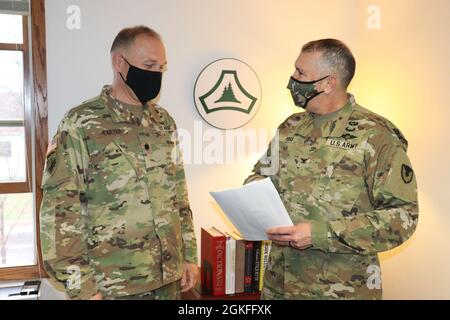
(98, 296)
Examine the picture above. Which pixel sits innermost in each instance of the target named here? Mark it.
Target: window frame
(35, 118)
(25, 186)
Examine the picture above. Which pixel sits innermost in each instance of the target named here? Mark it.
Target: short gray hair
(336, 55)
(125, 38)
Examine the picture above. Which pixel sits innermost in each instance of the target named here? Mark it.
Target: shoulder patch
(407, 173)
(402, 181)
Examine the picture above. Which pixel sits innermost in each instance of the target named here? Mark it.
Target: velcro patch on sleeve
(401, 181)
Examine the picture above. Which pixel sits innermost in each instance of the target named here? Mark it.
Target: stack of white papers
(254, 208)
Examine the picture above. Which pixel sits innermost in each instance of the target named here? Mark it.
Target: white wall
(401, 74)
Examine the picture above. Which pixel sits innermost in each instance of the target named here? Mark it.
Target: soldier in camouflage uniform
(344, 176)
(115, 217)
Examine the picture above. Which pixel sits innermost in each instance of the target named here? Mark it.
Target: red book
(213, 250)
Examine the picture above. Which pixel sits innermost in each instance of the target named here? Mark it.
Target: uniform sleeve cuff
(190, 256)
(253, 178)
(87, 290)
(319, 235)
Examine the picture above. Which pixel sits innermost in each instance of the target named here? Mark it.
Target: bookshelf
(196, 294)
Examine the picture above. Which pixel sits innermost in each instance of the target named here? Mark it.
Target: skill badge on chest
(341, 144)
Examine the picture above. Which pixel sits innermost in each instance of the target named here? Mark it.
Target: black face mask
(144, 83)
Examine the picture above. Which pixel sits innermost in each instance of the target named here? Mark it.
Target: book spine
(248, 274)
(231, 258)
(257, 263)
(239, 266)
(219, 260)
(233, 265)
(265, 250)
(207, 271)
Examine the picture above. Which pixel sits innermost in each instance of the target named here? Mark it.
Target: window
(19, 194)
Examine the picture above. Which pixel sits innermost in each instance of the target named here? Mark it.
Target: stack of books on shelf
(231, 264)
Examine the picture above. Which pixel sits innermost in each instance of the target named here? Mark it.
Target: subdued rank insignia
(407, 173)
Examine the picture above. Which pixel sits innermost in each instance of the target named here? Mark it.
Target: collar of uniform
(119, 114)
(334, 127)
(151, 112)
(306, 125)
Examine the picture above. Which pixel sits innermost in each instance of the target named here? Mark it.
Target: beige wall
(401, 73)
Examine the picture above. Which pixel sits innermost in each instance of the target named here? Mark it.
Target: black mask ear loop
(307, 100)
(309, 82)
(129, 65)
(317, 92)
